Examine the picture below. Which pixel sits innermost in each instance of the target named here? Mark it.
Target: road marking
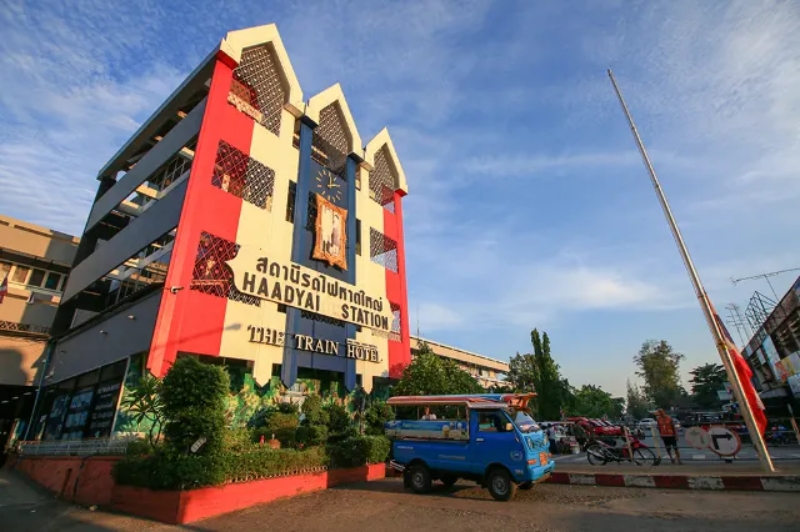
(698, 457)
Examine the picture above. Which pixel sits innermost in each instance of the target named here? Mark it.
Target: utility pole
(766, 277)
(705, 303)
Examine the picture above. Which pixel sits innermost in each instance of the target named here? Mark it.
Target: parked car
(646, 423)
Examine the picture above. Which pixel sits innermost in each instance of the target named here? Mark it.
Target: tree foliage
(143, 403)
(638, 405)
(706, 381)
(430, 374)
(594, 402)
(538, 372)
(194, 396)
(659, 366)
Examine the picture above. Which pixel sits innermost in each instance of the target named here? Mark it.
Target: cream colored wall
(371, 278)
(31, 239)
(269, 231)
(20, 359)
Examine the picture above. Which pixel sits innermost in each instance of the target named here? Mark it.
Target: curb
(783, 483)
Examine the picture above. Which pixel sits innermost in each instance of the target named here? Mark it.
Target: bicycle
(601, 453)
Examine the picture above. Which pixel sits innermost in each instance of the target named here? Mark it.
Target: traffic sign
(724, 441)
(698, 438)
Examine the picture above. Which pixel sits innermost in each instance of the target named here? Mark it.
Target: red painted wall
(397, 289)
(90, 484)
(179, 507)
(191, 321)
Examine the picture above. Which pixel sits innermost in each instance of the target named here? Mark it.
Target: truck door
(490, 442)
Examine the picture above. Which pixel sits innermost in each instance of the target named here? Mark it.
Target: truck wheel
(420, 478)
(449, 480)
(500, 485)
(526, 486)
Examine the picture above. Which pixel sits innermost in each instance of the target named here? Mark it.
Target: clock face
(329, 185)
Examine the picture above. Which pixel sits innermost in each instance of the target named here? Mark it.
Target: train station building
(245, 224)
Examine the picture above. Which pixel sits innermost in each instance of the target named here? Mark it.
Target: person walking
(666, 428)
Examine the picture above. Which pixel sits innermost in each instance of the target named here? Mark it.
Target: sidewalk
(736, 476)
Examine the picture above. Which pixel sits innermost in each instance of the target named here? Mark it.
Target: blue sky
(529, 205)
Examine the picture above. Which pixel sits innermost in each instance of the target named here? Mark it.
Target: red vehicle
(600, 429)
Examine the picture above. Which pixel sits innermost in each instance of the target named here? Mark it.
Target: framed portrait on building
(330, 242)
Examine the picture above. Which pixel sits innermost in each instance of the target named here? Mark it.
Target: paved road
(779, 453)
(385, 506)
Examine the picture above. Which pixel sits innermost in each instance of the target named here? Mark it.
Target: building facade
(241, 224)
(774, 350)
(34, 264)
(489, 372)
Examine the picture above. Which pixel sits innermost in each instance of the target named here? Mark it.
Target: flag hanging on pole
(3, 289)
(745, 374)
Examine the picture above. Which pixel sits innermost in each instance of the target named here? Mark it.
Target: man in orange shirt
(666, 428)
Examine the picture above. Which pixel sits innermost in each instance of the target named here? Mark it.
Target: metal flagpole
(705, 304)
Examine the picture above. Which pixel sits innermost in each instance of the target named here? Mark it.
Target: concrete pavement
(386, 506)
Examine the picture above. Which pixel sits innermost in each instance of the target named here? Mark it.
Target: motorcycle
(601, 453)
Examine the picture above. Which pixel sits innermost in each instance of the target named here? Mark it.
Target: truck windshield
(523, 421)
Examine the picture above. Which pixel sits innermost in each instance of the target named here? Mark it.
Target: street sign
(724, 441)
(698, 438)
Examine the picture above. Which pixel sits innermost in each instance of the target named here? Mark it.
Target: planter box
(83, 480)
(179, 507)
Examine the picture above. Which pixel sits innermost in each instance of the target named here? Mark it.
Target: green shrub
(236, 440)
(288, 408)
(376, 416)
(358, 451)
(315, 413)
(139, 448)
(309, 435)
(282, 425)
(162, 472)
(194, 396)
(339, 423)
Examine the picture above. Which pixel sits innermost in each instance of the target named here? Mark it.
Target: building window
(36, 278)
(243, 176)
(5, 267)
(52, 281)
(257, 88)
(211, 274)
(382, 180)
(382, 250)
(331, 142)
(64, 282)
(396, 323)
(21, 274)
(290, 202)
(358, 236)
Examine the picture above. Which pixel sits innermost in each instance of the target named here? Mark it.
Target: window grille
(243, 176)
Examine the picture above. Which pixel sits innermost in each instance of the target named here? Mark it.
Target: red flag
(745, 374)
(3, 289)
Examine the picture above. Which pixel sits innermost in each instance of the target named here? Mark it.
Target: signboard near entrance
(351, 349)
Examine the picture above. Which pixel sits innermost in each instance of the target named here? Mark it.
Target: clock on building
(329, 185)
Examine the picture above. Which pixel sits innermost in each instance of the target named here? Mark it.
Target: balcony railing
(24, 327)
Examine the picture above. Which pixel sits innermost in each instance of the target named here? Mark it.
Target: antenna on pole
(766, 277)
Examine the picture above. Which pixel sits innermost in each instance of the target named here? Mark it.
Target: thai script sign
(301, 287)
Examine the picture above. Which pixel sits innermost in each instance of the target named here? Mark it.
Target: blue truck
(488, 438)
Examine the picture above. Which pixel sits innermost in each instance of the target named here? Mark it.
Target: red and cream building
(242, 221)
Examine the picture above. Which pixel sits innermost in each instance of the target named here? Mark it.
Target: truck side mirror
(509, 427)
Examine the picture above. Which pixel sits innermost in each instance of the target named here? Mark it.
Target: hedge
(171, 472)
(359, 450)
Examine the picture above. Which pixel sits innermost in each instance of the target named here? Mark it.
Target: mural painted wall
(289, 252)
